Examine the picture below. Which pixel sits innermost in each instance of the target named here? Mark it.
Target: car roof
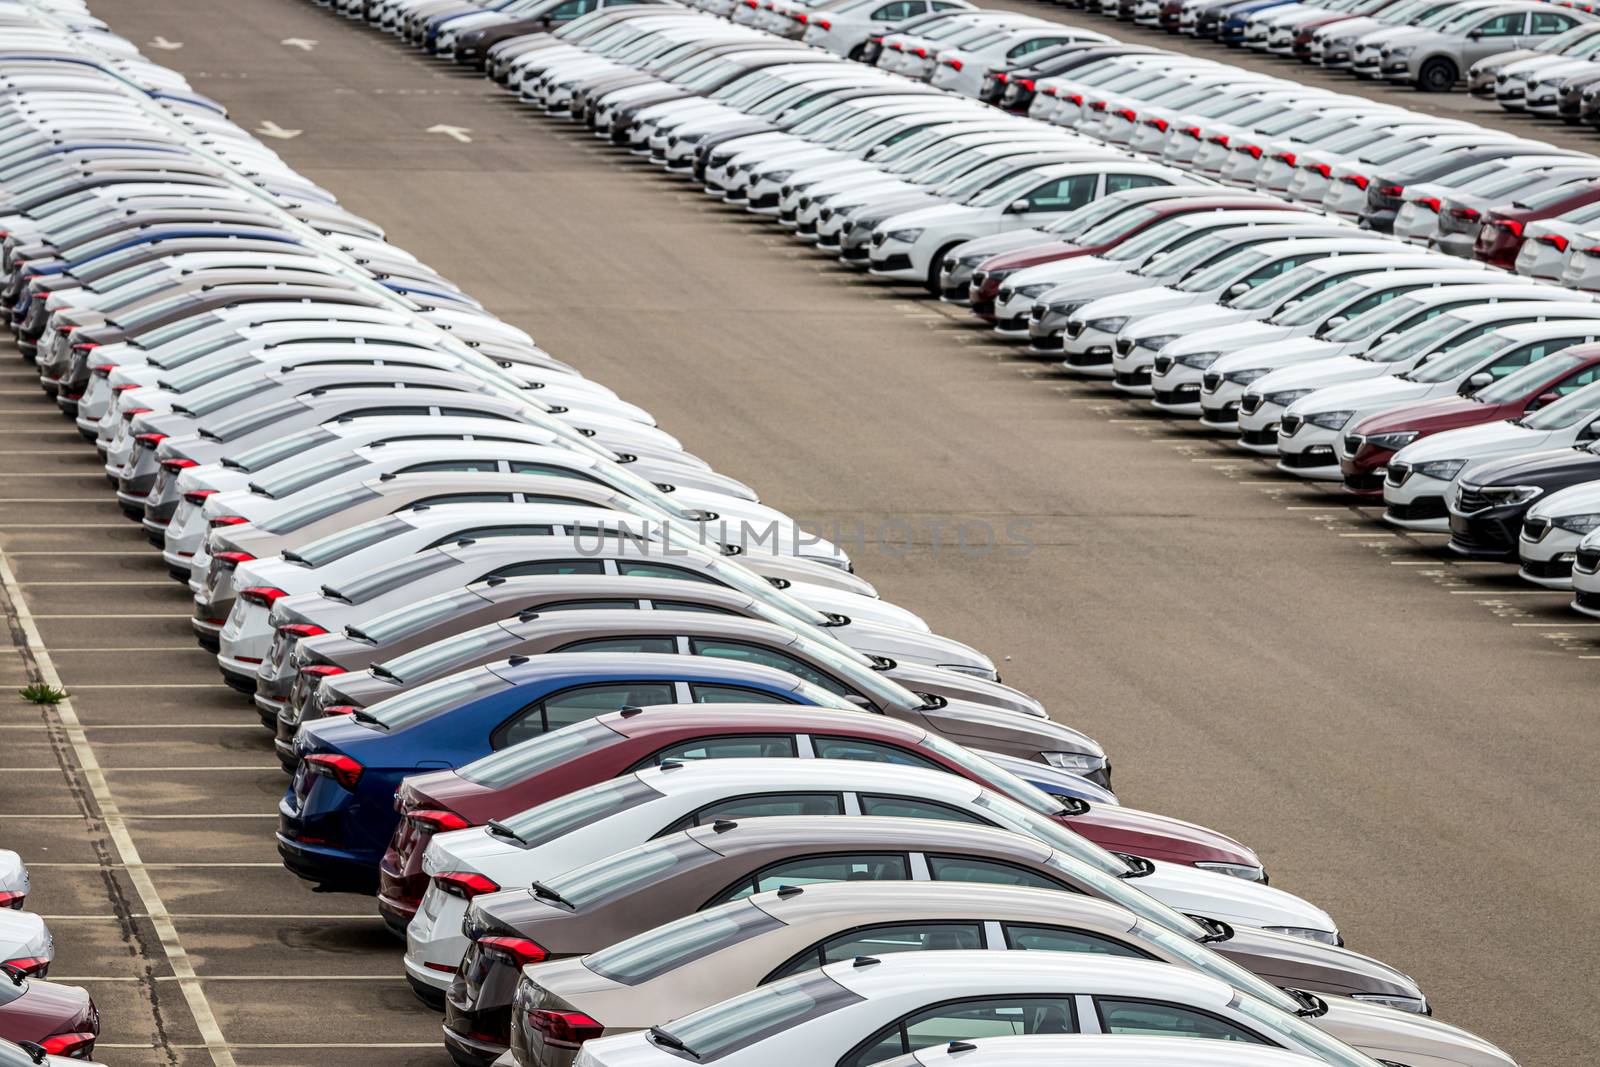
(948, 899)
(718, 776)
(678, 718)
(855, 834)
(559, 664)
(941, 974)
(1100, 1050)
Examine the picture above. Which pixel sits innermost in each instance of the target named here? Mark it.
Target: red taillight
(564, 1029)
(1253, 150)
(1324, 169)
(1049, 90)
(226, 520)
(1286, 157)
(149, 440)
(103, 370)
(1191, 131)
(1001, 76)
(298, 630)
(1432, 203)
(1097, 105)
(1159, 124)
(1511, 226)
(1025, 83)
(32, 966)
(131, 412)
(1075, 98)
(86, 346)
(825, 24)
(342, 769)
(13, 900)
(232, 559)
(322, 670)
(465, 884)
(178, 464)
(1554, 240)
(953, 64)
(1357, 180)
(1392, 191)
(337, 710)
(922, 52)
(1465, 214)
(1127, 113)
(1221, 139)
(123, 388)
(264, 595)
(77, 1046)
(197, 497)
(520, 949)
(437, 821)
(801, 17)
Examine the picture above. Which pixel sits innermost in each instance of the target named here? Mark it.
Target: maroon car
(61, 1019)
(1501, 235)
(1372, 442)
(586, 753)
(1113, 232)
(1301, 45)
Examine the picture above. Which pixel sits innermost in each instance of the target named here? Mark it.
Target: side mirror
(1589, 432)
(1335, 322)
(1479, 380)
(1017, 207)
(1238, 289)
(1542, 399)
(1475, 35)
(1390, 336)
(1159, 256)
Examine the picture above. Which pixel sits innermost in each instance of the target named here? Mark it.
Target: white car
(875, 1008)
(1553, 530)
(1421, 474)
(1096, 1050)
(1310, 432)
(1586, 577)
(844, 28)
(962, 67)
(25, 943)
(13, 880)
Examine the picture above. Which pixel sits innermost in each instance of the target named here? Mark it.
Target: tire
(856, 53)
(933, 267)
(1437, 76)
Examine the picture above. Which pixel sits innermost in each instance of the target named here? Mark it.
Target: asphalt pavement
(1408, 740)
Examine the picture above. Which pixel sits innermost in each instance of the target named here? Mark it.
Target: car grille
(1548, 568)
(1269, 436)
(1470, 499)
(1353, 443)
(1587, 560)
(1134, 377)
(1398, 473)
(1125, 345)
(1365, 482)
(1250, 403)
(1534, 529)
(1075, 327)
(1211, 382)
(1290, 425)
(1427, 507)
(1164, 364)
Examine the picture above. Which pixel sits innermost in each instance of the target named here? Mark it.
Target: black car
(1486, 512)
(1014, 89)
(1385, 189)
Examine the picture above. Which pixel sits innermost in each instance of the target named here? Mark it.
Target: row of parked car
(642, 772)
(41, 1022)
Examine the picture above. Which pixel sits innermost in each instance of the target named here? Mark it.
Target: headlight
(1401, 53)
(1501, 495)
(1578, 524)
(1245, 377)
(977, 672)
(1284, 397)
(1236, 870)
(1415, 1005)
(1330, 420)
(1156, 342)
(905, 236)
(1031, 291)
(1198, 360)
(1326, 937)
(1076, 762)
(1394, 442)
(1064, 307)
(1109, 325)
(1442, 469)
(1340, 42)
(773, 176)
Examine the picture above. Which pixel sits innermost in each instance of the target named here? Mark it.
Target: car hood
(937, 215)
(1513, 62)
(985, 727)
(996, 243)
(1296, 962)
(1230, 336)
(1036, 254)
(1233, 900)
(1137, 304)
(1576, 498)
(1356, 27)
(1406, 1037)
(1079, 292)
(1320, 374)
(1127, 829)
(1431, 416)
(1273, 354)
(1473, 443)
(1414, 36)
(1187, 319)
(908, 647)
(1367, 394)
(1547, 467)
(856, 606)
(953, 685)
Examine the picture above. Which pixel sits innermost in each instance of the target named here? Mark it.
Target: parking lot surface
(1407, 740)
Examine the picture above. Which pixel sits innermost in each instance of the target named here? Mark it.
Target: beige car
(716, 954)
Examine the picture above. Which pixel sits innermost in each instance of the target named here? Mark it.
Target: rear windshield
(429, 700)
(251, 421)
(336, 546)
(617, 875)
(548, 821)
(451, 654)
(223, 395)
(693, 937)
(376, 583)
(414, 618)
(263, 456)
(306, 477)
(522, 761)
(754, 1016)
(313, 510)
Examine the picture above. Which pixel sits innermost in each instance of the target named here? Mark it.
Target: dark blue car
(338, 814)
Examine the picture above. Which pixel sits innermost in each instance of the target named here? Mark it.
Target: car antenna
(787, 891)
(960, 1046)
(865, 961)
(630, 711)
(516, 661)
(722, 826)
(669, 765)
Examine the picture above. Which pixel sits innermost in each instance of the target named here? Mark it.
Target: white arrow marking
(458, 132)
(272, 129)
(165, 45)
(299, 42)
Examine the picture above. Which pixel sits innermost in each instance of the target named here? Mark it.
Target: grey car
(1434, 59)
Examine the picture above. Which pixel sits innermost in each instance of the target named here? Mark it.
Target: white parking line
(98, 582)
(115, 615)
(185, 769)
(231, 916)
(63, 526)
(148, 726)
(234, 978)
(141, 866)
(84, 552)
(190, 647)
(117, 830)
(150, 685)
(1510, 592)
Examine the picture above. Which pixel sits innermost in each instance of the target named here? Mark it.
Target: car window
(710, 693)
(744, 652)
(915, 808)
(634, 569)
(659, 645)
(750, 746)
(1507, 25)
(761, 806)
(966, 1020)
(886, 867)
(873, 751)
(1546, 22)
(522, 761)
(1065, 939)
(577, 705)
(881, 940)
(1063, 194)
(478, 533)
(746, 1019)
(596, 604)
(479, 466)
(548, 821)
(1029, 47)
(534, 567)
(312, 510)
(896, 11)
(685, 940)
(1120, 183)
(684, 605)
(1572, 383)
(525, 466)
(388, 579)
(472, 414)
(989, 872)
(1167, 1020)
(466, 498)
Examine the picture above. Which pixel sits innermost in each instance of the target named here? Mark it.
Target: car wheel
(857, 52)
(935, 265)
(1437, 76)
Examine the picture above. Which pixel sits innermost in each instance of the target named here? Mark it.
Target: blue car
(1052, 780)
(1236, 15)
(338, 814)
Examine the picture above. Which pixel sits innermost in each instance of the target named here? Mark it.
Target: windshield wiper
(1138, 866)
(384, 672)
(231, 464)
(1311, 1005)
(500, 829)
(666, 1040)
(357, 634)
(294, 557)
(363, 715)
(1216, 930)
(544, 892)
(181, 410)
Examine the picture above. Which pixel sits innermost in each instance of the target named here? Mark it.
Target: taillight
(1075, 98)
(1324, 169)
(1286, 157)
(131, 412)
(1357, 180)
(1254, 151)
(1432, 203)
(13, 900)
(465, 884)
(303, 629)
(1221, 139)
(322, 670)
(264, 595)
(519, 949)
(1025, 83)
(102, 370)
(342, 769)
(437, 821)
(563, 1029)
(825, 24)
(1127, 113)
(1159, 124)
(1097, 105)
(178, 464)
(1465, 214)
(1001, 77)
(337, 710)
(197, 497)
(149, 440)
(1391, 191)
(232, 559)
(1511, 226)
(32, 966)
(226, 520)
(1554, 240)
(1191, 131)
(954, 64)
(75, 1045)
(801, 17)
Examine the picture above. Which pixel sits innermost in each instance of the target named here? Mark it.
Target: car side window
(686, 605)
(900, 9)
(988, 872)
(1547, 22)
(1063, 194)
(873, 867)
(749, 746)
(972, 1019)
(1521, 357)
(468, 413)
(873, 751)
(1508, 25)
(1066, 939)
(711, 693)
(534, 567)
(762, 806)
(478, 466)
(1272, 270)
(526, 466)
(1572, 383)
(463, 498)
(661, 645)
(881, 940)
(744, 652)
(1029, 47)
(1118, 183)
(578, 704)
(916, 808)
(633, 569)
(1167, 1020)
(511, 530)
(388, 409)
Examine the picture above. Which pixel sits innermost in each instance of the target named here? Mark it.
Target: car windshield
(1275, 291)
(415, 618)
(1192, 255)
(1317, 308)
(1142, 246)
(1209, 961)
(450, 654)
(525, 759)
(1118, 226)
(313, 510)
(215, 399)
(1120, 891)
(396, 575)
(624, 872)
(1296, 1033)
(1566, 412)
(1377, 320)
(1013, 816)
(252, 460)
(186, 353)
(336, 546)
(742, 1021)
(1219, 274)
(1550, 197)
(1090, 215)
(1421, 339)
(429, 700)
(1520, 383)
(686, 940)
(548, 821)
(1007, 191)
(1463, 360)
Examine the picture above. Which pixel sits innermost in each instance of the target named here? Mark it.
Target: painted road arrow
(165, 45)
(458, 132)
(301, 43)
(272, 129)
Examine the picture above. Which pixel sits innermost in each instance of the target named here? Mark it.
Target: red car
(996, 268)
(1372, 442)
(1301, 45)
(1500, 237)
(61, 1019)
(559, 762)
